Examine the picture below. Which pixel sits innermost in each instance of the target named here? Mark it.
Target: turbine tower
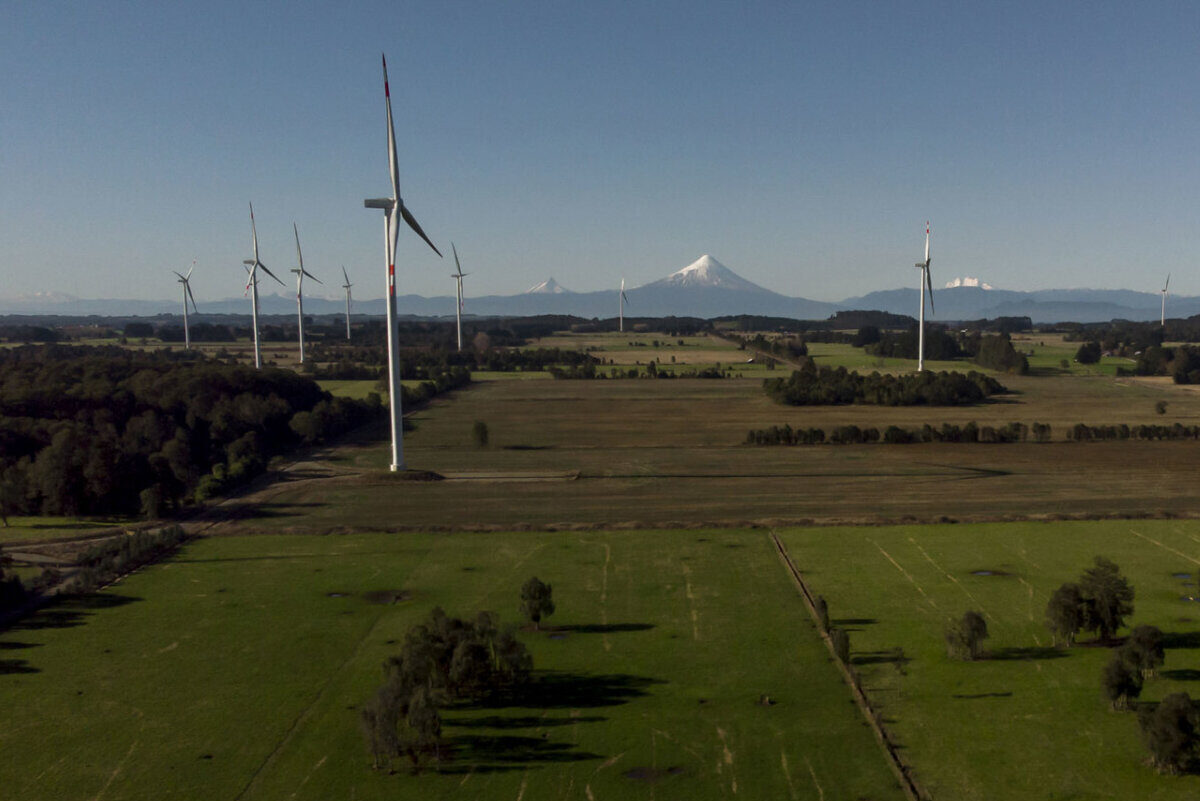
(1163, 319)
(187, 295)
(621, 309)
(458, 276)
(394, 209)
(252, 287)
(926, 284)
(346, 286)
(300, 273)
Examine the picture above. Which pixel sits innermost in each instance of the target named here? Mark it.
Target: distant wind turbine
(621, 310)
(346, 286)
(926, 283)
(458, 276)
(1163, 319)
(252, 286)
(300, 273)
(394, 209)
(187, 295)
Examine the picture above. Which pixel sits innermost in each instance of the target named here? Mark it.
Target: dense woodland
(107, 430)
(828, 386)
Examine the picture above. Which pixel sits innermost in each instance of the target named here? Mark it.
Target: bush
(479, 434)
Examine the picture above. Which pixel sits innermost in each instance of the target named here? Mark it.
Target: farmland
(236, 670)
(1030, 721)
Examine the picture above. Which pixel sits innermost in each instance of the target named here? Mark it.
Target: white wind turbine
(458, 276)
(1163, 319)
(621, 309)
(187, 295)
(926, 283)
(252, 268)
(394, 209)
(300, 273)
(346, 286)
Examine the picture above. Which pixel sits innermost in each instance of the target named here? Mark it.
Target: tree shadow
(523, 722)
(11, 666)
(891, 656)
(502, 753)
(602, 628)
(853, 621)
(71, 610)
(972, 696)
(560, 690)
(1181, 674)
(13, 646)
(1026, 654)
(1181, 639)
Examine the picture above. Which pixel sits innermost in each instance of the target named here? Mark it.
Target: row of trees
(825, 386)
(895, 435)
(1081, 432)
(111, 431)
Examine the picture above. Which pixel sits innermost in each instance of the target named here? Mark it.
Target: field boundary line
(902, 772)
(1167, 548)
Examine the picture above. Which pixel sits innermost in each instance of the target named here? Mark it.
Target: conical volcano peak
(708, 272)
(548, 287)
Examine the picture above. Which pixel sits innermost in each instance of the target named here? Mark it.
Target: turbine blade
(393, 165)
(927, 243)
(268, 272)
(193, 297)
(1168, 283)
(181, 278)
(345, 276)
(313, 277)
(929, 286)
(189, 275)
(253, 232)
(457, 266)
(416, 226)
(299, 255)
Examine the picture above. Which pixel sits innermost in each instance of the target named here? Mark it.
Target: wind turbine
(458, 276)
(187, 294)
(393, 209)
(346, 286)
(300, 273)
(621, 311)
(1163, 319)
(252, 286)
(926, 283)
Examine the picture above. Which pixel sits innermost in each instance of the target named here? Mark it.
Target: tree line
(827, 386)
(895, 435)
(106, 430)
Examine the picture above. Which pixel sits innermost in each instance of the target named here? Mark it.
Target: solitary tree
(1088, 353)
(479, 433)
(1066, 614)
(537, 601)
(963, 637)
(1170, 733)
(1111, 597)
(1121, 683)
(1143, 651)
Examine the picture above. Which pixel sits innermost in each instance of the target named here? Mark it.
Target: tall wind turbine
(926, 283)
(346, 286)
(621, 310)
(187, 295)
(1163, 319)
(300, 273)
(252, 286)
(393, 209)
(458, 276)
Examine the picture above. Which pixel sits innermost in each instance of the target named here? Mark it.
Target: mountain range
(704, 288)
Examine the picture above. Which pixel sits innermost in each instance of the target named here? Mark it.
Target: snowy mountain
(548, 287)
(706, 272)
(967, 280)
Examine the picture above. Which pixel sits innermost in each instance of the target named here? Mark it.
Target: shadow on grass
(973, 696)
(14, 646)
(470, 753)
(12, 666)
(604, 628)
(523, 722)
(1026, 654)
(559, 690)
(853, 621)
(1181, 639)
(1182, 674)
(891, 656)
(71, 611)
(265, 511)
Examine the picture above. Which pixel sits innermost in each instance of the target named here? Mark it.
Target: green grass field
(1030, 722)
(236, 671)
(21, 527)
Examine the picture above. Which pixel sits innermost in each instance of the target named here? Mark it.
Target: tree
(823, 613)
(841, 644)
(479, 433)
(1111, 597)
(867, 335)
(1170, 732)
(1066, 614)
(1088, 353)
(424, 726)
(1120, 682)
(1143, 651)
(963, 637)
(536, 601)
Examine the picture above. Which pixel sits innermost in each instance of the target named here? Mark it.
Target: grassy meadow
(1030, 720)
(236, 670)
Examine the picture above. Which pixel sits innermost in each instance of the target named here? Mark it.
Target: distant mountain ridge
(704, 288)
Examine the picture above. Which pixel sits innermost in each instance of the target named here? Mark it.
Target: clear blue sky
(1052, 145)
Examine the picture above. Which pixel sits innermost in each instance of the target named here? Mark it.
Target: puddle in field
(1181, 575)
(990, 573)
(337, 595)
(386, 597)
(648, 774)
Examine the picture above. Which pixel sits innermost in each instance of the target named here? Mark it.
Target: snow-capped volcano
(548, 287)
(707, 273)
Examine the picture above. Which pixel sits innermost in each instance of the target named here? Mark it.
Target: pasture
(236, 670)
(1029, 721)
